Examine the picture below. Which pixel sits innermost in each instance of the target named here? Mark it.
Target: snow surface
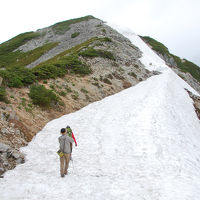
(141, 144)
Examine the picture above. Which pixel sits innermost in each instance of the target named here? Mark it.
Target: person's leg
(67, 158)
(62, 162)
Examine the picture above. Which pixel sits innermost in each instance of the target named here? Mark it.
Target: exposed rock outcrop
(9, 158)
(196, 100)
(186, 76)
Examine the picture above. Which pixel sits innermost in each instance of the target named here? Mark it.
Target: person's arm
(74, 139)
(61, 142)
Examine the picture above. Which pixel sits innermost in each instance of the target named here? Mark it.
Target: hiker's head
(68, 127)
(63, 130)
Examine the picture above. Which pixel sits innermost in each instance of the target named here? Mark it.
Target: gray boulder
(4, 147)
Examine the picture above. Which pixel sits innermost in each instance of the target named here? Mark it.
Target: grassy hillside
(7, 54)
(184, 65)
(9, 57)
(187, 66)
(156, 46)
(62, 27)
(17, 75)
(12, 62)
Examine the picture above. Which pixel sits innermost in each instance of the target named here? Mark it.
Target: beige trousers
(64, 163)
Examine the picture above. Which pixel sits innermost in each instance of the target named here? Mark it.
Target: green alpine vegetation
(43, 72)
(30, 56)
(7, 54)
(156, 46)
(74, 35)
(17, 41)
(187, 66)
(11, 58)
(43, 97)
(62, 27)
(3, 95)
(91, 52)
(68, 64)
(68, 61)
(183, 64)
(76, 49)
(17, 75)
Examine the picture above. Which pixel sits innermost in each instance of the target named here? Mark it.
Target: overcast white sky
(175, 23)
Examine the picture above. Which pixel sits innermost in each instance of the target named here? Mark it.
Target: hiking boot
(65, 173)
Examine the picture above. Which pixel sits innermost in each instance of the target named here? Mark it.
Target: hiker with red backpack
(64, 151)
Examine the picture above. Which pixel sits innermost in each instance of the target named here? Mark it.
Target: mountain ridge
(95, 66)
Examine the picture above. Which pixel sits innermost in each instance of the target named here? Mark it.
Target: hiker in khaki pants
(65, 142)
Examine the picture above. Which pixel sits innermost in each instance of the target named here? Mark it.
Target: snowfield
(142, 144)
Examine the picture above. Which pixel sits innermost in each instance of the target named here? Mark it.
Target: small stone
(20, 161)
(3, 107)
(156, 73)
(9, 154)
(8, 109)
(197, 104)
(12, 115)
(16, 155)
(4, 147)
(12, 124)
(4, 131)
(17, 132)
(2, 117)
(17, 117)
(3, 156)
(2, 170)
(5, 163)
(126, 84)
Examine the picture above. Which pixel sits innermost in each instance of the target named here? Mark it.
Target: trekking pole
(72, 163)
